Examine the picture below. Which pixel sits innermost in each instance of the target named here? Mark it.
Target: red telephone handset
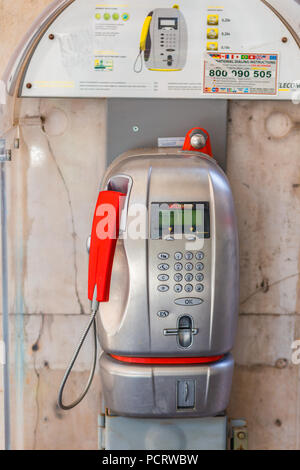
(105, 232)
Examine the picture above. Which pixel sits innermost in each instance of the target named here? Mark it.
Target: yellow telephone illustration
(163, 42)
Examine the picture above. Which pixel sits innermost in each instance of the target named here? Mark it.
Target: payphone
(168, 286)
(169, 324)
(164, 40)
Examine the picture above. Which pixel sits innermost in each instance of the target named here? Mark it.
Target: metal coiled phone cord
(139, 57)
(94, 309)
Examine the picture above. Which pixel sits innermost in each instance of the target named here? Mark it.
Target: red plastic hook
(203, 141)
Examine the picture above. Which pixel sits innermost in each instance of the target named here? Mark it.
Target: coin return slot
(186, 394)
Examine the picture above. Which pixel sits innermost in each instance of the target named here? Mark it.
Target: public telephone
(169, 300)
(169, 304)
(163, 42)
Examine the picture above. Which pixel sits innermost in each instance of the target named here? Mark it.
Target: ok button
(189, 301)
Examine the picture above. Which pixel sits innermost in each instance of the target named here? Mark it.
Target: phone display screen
(167, 23)
(180, 219)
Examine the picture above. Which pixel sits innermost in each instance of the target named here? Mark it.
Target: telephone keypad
(163, 267)
(189, 276)
(188, 288)
(163, 256)
(199, 266)
(178, 267)
(199, 288)
(163, 288)
(163, 277)
(178, 288)
(168, 40)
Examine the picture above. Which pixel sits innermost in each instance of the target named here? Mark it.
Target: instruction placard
(254, 74)
(162, 49)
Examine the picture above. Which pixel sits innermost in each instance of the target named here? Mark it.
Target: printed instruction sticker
(237, 73)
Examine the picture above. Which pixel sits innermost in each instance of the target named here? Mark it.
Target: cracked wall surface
(53, 183)
(264, 171)
(52, 186)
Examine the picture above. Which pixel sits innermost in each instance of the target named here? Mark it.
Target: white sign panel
(159, 49)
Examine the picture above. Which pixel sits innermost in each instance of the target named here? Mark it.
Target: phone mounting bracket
(138, 123)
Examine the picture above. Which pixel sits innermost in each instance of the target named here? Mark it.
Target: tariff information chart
(238, 73)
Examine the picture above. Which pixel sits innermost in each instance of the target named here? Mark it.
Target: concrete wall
(51, 194)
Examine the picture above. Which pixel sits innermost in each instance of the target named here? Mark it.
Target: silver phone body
(131, 323)
(180, 391)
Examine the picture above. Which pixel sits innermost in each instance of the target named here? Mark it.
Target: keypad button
(199, 277)
(189, 256)
(189, 266)
(178, 256)
(163, 255)
(163, 277)
(163, 267)
(188, 288)
(178, 288)
(199, 288)
(199, 266)
(199, 255)
(163, 314)
(178, 266)
(188, 277)
(163, 288)
(178, 277)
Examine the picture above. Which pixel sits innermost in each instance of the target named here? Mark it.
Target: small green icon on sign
(125, 17)
(98, 16)
(104, 65)
(116, 16)
(106, 16)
